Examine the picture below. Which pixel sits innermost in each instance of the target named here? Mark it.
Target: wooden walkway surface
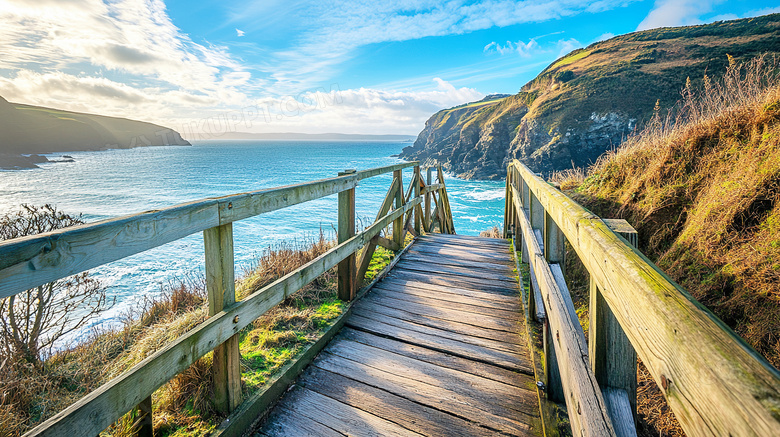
(437, 348)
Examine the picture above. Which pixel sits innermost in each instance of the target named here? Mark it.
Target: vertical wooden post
(445, 201)
(612, 357)
(508, 206)
(221, 288)
(517, 180)
(429, 182)
(145, 421)
(346, 227)
(554, 242)
(525, 192)
(417, 181)
(398, 224)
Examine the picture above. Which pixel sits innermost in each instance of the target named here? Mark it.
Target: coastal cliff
(29, 130)
(588, 101)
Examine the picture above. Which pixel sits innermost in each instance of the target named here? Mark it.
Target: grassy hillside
(590, 100)
(702, 187)
(26, 129)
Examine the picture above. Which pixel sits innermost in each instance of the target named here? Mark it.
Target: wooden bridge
(447, 340)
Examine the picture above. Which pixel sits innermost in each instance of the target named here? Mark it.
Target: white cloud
(329, 32)
(362, 110)
(567, 45)
(604, 37)
(532, 47)
(667, 13)
(240, 32)
(129, 41)
(524, 49)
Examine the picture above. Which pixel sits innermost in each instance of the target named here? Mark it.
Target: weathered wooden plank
(364, 174)
(440, 313)
(37, 259)
(721, 386)
(461, 253)
(582, 393)
(469, 273)
(506, 299)
(457, 281)
(425, 394)
(428, 339)
(339, 416)
(94, 412)
(496, 251)
(221, 289)
(463, 333)
(418, 418)
(284, 422)
(497, 397)
(240, 206)
(438, 358)
(467, 333)
(452, 261)
(468, 241)
(454, 302)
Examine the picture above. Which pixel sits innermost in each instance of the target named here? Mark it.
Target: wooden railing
(713, 381)
(35, 260)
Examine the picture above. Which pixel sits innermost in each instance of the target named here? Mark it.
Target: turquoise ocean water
(111, 183)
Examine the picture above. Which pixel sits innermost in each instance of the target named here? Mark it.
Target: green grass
(570, 59)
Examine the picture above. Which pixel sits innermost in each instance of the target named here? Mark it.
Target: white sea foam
(485, 195)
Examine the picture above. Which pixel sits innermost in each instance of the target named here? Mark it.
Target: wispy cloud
(532, 47)
(328, 33)
(240, 32)
(667, 13)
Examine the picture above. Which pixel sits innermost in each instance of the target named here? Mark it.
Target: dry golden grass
(568, 179)
(494, 232)
(701, 186)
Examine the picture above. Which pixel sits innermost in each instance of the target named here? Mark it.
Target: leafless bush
(33, 321)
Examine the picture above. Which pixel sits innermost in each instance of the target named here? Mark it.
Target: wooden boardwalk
(437, 348)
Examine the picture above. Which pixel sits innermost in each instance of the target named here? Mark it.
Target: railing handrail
(715, 383)
(34, 260)
(98, 409)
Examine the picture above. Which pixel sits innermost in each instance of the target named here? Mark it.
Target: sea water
(112, 183)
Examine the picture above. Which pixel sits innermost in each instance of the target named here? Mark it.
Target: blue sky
(304, 66)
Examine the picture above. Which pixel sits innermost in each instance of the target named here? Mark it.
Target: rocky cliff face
(587, 102)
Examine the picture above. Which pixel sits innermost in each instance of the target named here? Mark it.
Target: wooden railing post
(221, 288)
(508, 204)
(445, 201)
(417, 182)
(612, 357)
(526, 202)
(429, 182)
(517, 182)
(398, 224)
(346, 230)
(145, 420)
(554, 386)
